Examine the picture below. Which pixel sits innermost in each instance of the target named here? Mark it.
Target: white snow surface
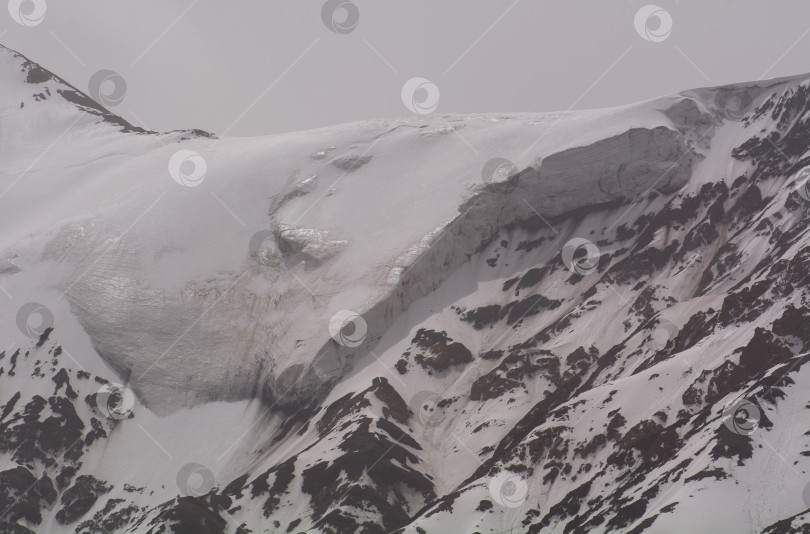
(157, 285)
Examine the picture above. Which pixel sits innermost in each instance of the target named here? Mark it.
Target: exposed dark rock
(22, 495)
(511, 372)
(513, 312)
(439, 351)
(745, 305)
(642, 264)
(194, 515)
(61, 379)
(80, 497)
(351, 163)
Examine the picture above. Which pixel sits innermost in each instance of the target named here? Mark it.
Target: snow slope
(484, 383)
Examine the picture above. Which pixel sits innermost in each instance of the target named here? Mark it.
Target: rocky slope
(579, 322)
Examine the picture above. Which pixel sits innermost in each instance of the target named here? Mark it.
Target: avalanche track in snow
(591, 321)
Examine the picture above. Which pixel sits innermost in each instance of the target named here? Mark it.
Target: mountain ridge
(275, 336)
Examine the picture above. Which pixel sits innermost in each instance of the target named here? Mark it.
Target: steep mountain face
(588, 321)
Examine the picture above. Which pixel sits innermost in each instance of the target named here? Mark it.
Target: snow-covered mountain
(590, 321)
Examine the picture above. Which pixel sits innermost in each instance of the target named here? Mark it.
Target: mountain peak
(595, 316)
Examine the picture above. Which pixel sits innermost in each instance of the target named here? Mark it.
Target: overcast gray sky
(250, 67)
